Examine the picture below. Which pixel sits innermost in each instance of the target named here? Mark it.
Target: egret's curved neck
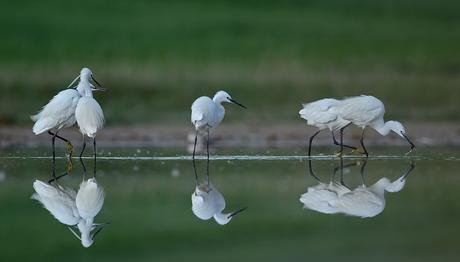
(84, 88)
(383, 128)
(379, 187)
(221, 218)
(218, 99)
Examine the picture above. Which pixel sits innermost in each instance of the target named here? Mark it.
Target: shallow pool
(386, 208)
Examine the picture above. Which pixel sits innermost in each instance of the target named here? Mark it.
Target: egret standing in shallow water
(207, 114)
(364, 111)
(323, 114)
(88, 112)
(59, 113)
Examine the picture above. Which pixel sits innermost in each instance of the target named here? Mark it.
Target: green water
(148, 205)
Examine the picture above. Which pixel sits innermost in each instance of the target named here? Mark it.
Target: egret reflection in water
(208, 202)
(363, 201)
(75, 209)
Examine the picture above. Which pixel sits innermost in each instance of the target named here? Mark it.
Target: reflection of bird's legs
(341, 141)
(412, 166)
(362, 172)
(69, 145)
(207, 161)
(56, 178)
(310, 168)
(94, 148)
(53, 139)
(193, 158)
(311, 140)
(362, 144)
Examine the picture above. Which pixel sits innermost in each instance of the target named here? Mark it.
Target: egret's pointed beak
(236, 103)
(412, 146)
(73, 82)
(98, 228)
(73, 232)
(98, 89)
(95, 81)
(237, 212)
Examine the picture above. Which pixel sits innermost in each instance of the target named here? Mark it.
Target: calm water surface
(386, 208)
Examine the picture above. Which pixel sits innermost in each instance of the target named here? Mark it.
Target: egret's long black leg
(207, 161)
(362, 144)
(56, 178)
(311, 140)
(193, 158)
(69, 145)
(338, 144)
(81, 154)
(95, 152)
(53, 140)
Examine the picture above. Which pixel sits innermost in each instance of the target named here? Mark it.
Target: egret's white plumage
(208, 202)
(58, 200)
(364, 111)
(317, 197)
(363, 201)
(207, 114)
(58, 113)
(89, 116)
(76, 210)
(88, 112)
(323, 114)
(90, 198)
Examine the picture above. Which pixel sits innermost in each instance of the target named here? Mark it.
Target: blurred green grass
(157, 57)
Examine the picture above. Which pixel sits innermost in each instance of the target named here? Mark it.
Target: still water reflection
(75, 209)
(362, 201)
(153, 217)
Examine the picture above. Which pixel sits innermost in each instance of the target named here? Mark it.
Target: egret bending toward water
(88, 112)
(364, 111)
(208, 202)
(323, 114)
(207, 114)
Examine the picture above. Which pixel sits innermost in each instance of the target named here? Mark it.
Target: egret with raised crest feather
(88, 112)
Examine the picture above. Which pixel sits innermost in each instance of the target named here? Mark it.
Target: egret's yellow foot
(69, 150)
(69, 167)
(339, 154)
(359, 150)
(408, 152)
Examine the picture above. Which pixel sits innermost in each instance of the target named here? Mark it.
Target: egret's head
(396, 127)
(87, 75)
(223, 96)
(223, 219)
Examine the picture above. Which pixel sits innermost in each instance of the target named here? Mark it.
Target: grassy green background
(151, 217)
(157, 57)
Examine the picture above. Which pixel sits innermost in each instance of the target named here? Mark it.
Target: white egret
(59, 113)
(364, 111)
(208, 202)
(76, 210)
(317, 197)
(207, 114)
(368, 201)
(88, 112)
(323, 114)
